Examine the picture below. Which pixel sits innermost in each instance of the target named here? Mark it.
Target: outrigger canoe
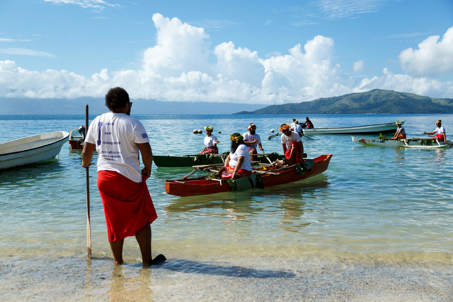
(76, 138)
(32, 149)
(415, 143)
(259, 179)
(205, 159)
(365, 129)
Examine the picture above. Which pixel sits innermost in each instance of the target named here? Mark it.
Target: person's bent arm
(147, 158)
(87, 154)
(226, 163)
(284, 148)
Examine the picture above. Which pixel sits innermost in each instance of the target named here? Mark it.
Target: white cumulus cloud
(183, 65)
(433, 56)
(406, 83)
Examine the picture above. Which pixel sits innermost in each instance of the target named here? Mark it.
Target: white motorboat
(366, 129)
(31, 149)
(415, 143)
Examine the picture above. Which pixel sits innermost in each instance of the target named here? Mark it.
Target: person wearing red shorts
(439, 133)
(128, 207)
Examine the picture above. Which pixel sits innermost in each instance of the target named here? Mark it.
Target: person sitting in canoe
(308, 124)
(252, 139)
(400, 132)
(210, 142)
(292, 145)
(440, 134)
(237, 163)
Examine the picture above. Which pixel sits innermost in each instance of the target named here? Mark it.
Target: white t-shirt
(298, 129)
(209, 141)
(287, 140)
(115, 136)
(242, 150)
(252, 137)
(440, 130)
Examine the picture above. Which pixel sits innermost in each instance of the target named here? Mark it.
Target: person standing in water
(292, 145)
(128, 207)
(210, 142)
(252, 139)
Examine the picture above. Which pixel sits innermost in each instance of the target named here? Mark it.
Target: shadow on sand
(194, 267)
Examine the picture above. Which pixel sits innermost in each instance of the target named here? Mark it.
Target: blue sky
(268, 52)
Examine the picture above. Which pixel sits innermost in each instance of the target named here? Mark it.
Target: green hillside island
(373, 101)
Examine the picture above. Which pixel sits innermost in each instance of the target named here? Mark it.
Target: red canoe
(202, 186)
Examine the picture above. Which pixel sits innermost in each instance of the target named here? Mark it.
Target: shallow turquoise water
(372, 204)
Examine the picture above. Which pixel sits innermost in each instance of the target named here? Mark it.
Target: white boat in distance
(415, 143)
(366, 129)
(31, 149)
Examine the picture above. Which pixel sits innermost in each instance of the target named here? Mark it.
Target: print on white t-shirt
(115, 136)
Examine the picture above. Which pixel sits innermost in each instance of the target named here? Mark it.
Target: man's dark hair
(116, 98)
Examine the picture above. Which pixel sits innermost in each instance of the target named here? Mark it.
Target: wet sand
(255, 279)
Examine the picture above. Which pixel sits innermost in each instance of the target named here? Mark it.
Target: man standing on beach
(129, 210)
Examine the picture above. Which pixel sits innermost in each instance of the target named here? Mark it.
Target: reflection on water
(284, 200)
(31, 173)
(375, 199)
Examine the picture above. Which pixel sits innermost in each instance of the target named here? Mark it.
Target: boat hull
(31, 149)
(411, 143)
(367, 129)
(76, 139)
(201, 186)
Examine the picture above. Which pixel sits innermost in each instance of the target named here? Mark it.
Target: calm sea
(373, 212)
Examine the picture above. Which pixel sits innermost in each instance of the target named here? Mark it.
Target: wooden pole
(87, 169)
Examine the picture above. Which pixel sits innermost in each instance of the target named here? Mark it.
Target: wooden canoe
(202, 186)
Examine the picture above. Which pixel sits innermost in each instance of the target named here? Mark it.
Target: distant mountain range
(373, 101)
(27, 106)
